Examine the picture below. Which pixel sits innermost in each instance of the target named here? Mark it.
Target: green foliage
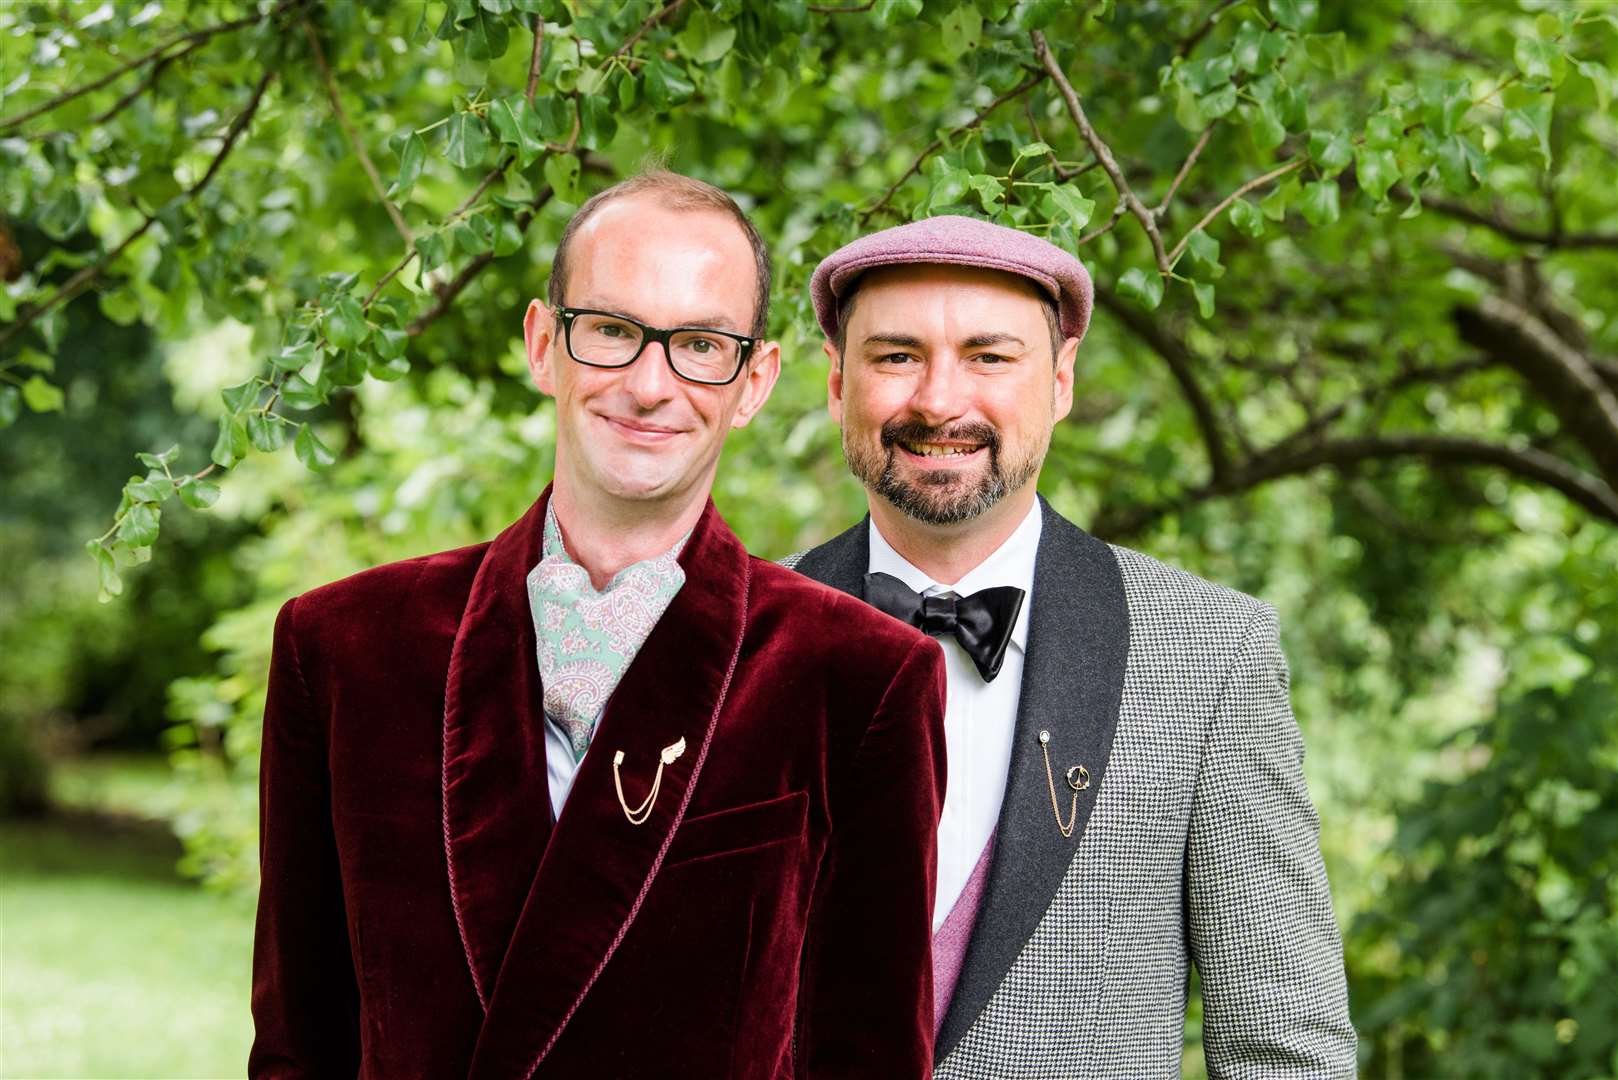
(1352, 351)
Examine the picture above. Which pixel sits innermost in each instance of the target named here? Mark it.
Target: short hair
(671, 191)
(845, 312)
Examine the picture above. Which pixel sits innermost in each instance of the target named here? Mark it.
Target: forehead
(941, 297)
(637, 256)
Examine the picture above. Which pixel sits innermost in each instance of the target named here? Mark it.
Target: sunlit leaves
(412, 155)
(466, 140)
(518, 126)
(40, 395)
(1376, 171)
(1319, 204)
(310, 450)
(1143, 286)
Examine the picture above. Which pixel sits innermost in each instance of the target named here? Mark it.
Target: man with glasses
(605, 796)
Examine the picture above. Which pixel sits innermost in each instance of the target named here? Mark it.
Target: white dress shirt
(980, 718)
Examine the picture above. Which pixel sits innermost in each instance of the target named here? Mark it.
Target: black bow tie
(981, 622)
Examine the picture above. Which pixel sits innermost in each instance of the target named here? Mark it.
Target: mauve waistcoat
(949, 944)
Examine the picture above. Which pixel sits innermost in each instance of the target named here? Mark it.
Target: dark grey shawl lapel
(1073, 677)
(1072, 682)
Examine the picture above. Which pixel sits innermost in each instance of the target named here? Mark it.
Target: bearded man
(1126, 796)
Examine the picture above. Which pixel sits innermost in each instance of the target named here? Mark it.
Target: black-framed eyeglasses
(698, 354)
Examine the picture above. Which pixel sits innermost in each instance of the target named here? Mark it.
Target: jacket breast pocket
(742, 828)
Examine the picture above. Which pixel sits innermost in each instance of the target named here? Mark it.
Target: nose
(650, 380)
(940, 394)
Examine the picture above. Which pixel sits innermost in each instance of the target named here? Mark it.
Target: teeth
(937, 449)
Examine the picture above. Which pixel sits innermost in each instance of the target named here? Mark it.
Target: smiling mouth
(939, 450)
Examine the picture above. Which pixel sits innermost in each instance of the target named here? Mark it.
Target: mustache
(914, 431)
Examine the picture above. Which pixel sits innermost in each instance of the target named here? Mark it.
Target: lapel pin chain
(667, 756)
(1078, 778)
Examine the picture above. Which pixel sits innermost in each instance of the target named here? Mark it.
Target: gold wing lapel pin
(1078, 778)
(667, 756)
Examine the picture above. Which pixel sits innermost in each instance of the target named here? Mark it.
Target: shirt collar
(1012, 563)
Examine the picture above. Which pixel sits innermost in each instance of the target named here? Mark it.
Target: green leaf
(1539, 60)
(989, 190)
(412, 155)
(231, 445)
(1073, 207)
(1383, 130)
(1376, 171)
(158, 461)
(562, 174)
(198, 494)
(555, 116)
(1532, 123)
(1328, 51)
(1207, 75)
(290, 358)
(310, 450)
(1218, 103)
(1274, 205)
(345, 368)
(266, 431)
(1267, 129)
(486, 35)
(30, 357)
(140, 525)
(434, 250)
(894, 12)
(42, 396)
(107, 568)
(517, 125)
(949, 184)
(666, 85)
(389, 369)
(1188, 110)
(1255, 49)
(235, 397)
(1295, 14)
(1319, 203)
(1033, 149)
(1460, 164)
(1204, 293)
(1601, 77)
(345, 324)
(1204, 250)
(300, 393)
(390, 341)
(1143, 286)
(467, 141)
(1446, 102)
(597, 123)
(152, 489)
(507, 241)
(1246, 218)
(1331, 151)
(705, 38)
(10, 405)
(962, 31)
(1035, 14)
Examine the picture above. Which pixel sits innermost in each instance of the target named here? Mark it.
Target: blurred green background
(1354, 353)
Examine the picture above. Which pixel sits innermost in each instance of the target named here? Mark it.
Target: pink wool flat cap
(962, 241)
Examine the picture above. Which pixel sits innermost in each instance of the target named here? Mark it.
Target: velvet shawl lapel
(1072, 683)
(541, 916)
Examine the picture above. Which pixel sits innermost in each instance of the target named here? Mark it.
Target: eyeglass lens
(610, 342)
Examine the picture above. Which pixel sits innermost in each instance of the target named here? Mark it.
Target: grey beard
(942, 499)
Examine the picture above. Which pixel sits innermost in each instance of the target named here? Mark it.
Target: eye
(701, 346)
(610, 330)
(895, 358)
(992, 358)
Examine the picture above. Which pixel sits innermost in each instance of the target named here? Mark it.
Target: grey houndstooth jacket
(1196, 841)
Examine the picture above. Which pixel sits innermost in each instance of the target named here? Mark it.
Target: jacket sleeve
(304, 999)
(1262, 933)
(866, 1007)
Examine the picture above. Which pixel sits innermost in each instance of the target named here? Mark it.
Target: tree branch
(1175, 354)
(915, 166)
(819, 10)
(1512, 231)
(651, 20)
(1526, 463)
(1225, 203)
(1103, 153)
(197, 36)
(454, 288)
(536, 58)
(80, 280)
(1185, 169)
(353, 137)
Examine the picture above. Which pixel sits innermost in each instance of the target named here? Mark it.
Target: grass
(111, 963)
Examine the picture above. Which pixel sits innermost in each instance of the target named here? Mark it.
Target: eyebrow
(976, 341)
(706, 322)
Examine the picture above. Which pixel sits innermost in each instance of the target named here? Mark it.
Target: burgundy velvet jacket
(422, 916)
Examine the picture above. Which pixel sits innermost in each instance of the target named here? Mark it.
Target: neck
(604, 535)
(947, 553)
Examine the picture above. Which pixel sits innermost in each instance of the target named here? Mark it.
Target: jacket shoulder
(819, 617)
(391, 594)
(1165, 597)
